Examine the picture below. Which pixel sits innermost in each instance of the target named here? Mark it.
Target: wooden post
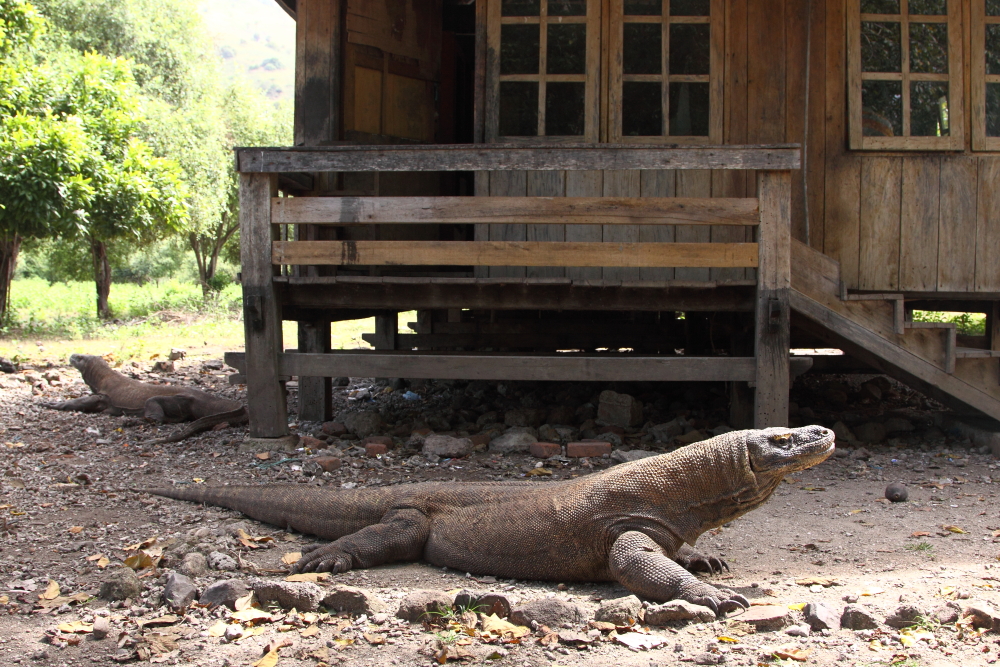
(261, 315)
(317, 72)
(315, 393)
(385, 330)
(774, 189)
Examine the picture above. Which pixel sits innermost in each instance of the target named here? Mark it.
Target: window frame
(955, 78)
(979, 78)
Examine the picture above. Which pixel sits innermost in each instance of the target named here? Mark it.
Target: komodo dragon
(632, 523)
(116, 394)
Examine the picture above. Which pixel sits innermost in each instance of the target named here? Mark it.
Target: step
(950, 341)
(976, 353)
(898, 312)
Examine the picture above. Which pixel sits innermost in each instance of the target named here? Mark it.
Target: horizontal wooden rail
(532, 210)
(501, 157)
(513, 253)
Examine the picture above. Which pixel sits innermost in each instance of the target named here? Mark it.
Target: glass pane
(993, 7)
(993, 48)
(882, 108)
(929, 109)
(689, 7)
(567, 50)
(518, 108)
(642, 109)
(519, 49)
(689, 109)
(880, 47)
(879, 6)
(929, 47)
(993, 110)
(647, 7)
(567, 7)
(935, 7)
(564, 108)
(689, 48)
(643, 48)
(520, 7)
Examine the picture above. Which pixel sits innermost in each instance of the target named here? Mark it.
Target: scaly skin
(635, 523)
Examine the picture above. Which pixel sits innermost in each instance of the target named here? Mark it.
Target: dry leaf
(311, 631)
(374, 639)
(250, 615)
(76, 530)
(218, 630)
(856, 511)
(4, 599)
(148, 542)
(797, 606)
(495, 626)
(270, 659)
(812, 581)
(312, 577)
(635, 640)
(51, 591)
(873, 590)
(952, 529)
(263, 456)
(920, 533)
(728, 640)
(539, 472)
(78, 627)
(291, 557)
(244, 602)
(139, 561)
(169, 619)
(791, 651)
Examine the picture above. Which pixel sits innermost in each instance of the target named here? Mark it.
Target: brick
(379, 440)
(309, 442)
(327, 463)
(587, 449)
(334, 428)
(544, 450)
(374, 449)
(767, 617)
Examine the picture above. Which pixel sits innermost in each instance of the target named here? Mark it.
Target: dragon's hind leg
(91, 403)
(693, 560)
(400, 536)
(168, 409)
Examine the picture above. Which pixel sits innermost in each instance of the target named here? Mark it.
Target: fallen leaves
(252, 542)
(817, 581)
(920, 533)
(100, 560)
(311, 577)
(51, 591)
(791, 652)
(495, 627)
(639, 641)
(953, 529)
(76, 627)
(291, 557)
(145, 554)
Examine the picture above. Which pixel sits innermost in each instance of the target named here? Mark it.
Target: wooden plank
(584, 184)
(481, 232)
(988, 226)
(550, 185)
(621, 184)
(459, 157)
(957, 236)
(814, 150)
(659, 184)
(920, 216)
(567, 367)
(693, 183)
(796, 100)
(317, 72)
(508, 184)
(514, 253)
(261, 317)
(649, 209)
(881, 178)
(479, 77)
(315, 393)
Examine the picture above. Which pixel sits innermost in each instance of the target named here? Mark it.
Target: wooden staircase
(872, 328)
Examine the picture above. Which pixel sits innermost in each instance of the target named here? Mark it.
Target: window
(905, 75)
(666, 71)
(985, 75)
(543, 70)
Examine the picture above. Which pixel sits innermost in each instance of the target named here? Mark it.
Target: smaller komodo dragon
(115, 394)
(635, 523)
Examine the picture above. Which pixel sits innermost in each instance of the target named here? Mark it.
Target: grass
(920, 546)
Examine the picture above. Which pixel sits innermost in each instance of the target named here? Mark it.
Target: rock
(668, 431)
(379, 440)
(896, 492)
(420, 603)
(533, 417)
(547, 611)
(587, 449)
(836, 395)
(574, 638)
(692, 437)
(311, 443)
(178, 591)
(678, 610)
(619, 409)
(897, 425)
(798, 630)
(487, 418)
(871, 390)
(220, 561)
(480, 441)
(707, 658)
(629, 455)
(585, 412)
(300, 595)
(328, 463)
(447, 446)
(821, 616)
(225, 592)
(767, 617)
(870, 432)
(194, 565)
(857, 618)
(843, 432)
(512, 442)
(946, 613)
(548, 433)
(544, 450)
(620, 611)
(982, 615)
(860, 454)
(362, 424)
(561, 414)
(341, 381)
(7, 366)
(121, 584)
(483, 602)
(375, 449)
(905, 616)
(336, 429)
(609, 437)
(102, 626)
(353, 600)
(234, 632)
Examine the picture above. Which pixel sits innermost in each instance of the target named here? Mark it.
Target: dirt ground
(70, 513)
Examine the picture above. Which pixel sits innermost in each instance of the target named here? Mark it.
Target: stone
(300, 595)
(798, 630)
(225, 592)
(767, 617)
(234, 632)
(544, 450)
(533, 417)
(362, 424)
(420, 603)
(102, 627)
(547, 611)
(629, 455)
(509, 443)
(121, 584)
(843, 432)
(585, 412)
(483, 602)
(286, 443)
(311, 443)
(548, 433)
(353, 600)
(341, 381)
(447, 446)
(668, 431)
(619, 409)
(620, 611)
(821, 616)
(860, 454)
(982, 614)
(946, 613)
(905, 616)
(678, 610)
(375, 449)
(574, 638)
(561, 414)
(7, 366)
(896, 492)
(487, 418)
(328, 463)
(379, 440)
(178, 591)
(220, 561)
(587, 449)
(480, 441)
(194, 565)
(335, 429)
(857, 618)
(898, 425)
(609, 437)
(871, 390)
(870, 432)
(708, 658)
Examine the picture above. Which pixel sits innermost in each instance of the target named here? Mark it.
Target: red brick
(334, 428)
(312, 443)
(587, 449)
(375, 449)
(480, 439)
(379, 440)
(327, 463)
(544, 450)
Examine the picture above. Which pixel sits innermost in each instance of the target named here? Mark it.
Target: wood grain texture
(693, 183)
(550, 185)
(988, 227)
(584, 184)
(957, 236)
(317, 72)
(656, 186)
(621, 184)
(920, 212)
(881, 179)
(508, 184)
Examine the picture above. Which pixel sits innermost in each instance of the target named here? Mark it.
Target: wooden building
(629, 189)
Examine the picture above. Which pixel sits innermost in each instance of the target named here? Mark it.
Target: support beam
(315, 393)
(317, 73)
(386, 325)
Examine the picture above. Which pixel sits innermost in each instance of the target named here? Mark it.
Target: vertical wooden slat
(977, 79)
(584, 184)
(957, 235)
(508, 184)
(766, 71)
(479, 83)
(621, 183)
(546, 184)
(988, 227)
(482, 231)
(317, 72)
(773, 287)
(920, 214)
(386, 326)
(815, 157)
(315, 393)
(693, 183)
(795, 101)
(657, 183)
(880, 191)
(262, 320)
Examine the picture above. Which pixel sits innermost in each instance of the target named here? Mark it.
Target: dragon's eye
(781, 439)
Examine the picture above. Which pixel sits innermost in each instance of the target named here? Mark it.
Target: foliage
(65, 260)
(967, 324)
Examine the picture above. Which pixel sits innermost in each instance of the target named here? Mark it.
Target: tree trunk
(10, 246)
(102, 277)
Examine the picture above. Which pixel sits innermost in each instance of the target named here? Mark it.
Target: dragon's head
(776, 452)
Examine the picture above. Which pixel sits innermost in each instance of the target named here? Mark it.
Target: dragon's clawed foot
(698, 562)
(323, 558)
(719, 600)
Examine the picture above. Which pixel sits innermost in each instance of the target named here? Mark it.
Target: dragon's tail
(237, 416)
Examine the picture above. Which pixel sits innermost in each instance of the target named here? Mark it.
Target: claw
(708, 602)
(728, 606)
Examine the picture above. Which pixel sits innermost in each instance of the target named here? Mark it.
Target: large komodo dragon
(116, 394)
(635, 523)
